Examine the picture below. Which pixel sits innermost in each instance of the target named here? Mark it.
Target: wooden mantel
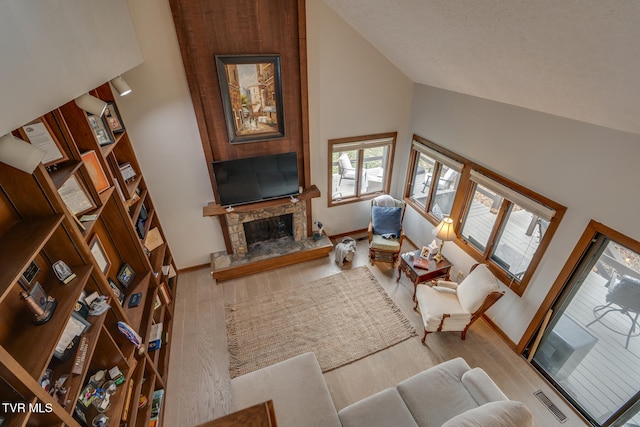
(214, 209)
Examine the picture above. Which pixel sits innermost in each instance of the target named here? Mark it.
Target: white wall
(54, 51)
(589, 169)
(162, 126)
(353, 90)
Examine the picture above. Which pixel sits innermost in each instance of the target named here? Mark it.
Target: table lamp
(445, 232)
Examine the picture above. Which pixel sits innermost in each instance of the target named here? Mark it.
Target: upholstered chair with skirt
(449, 306)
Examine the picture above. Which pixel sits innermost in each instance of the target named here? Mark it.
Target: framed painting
(251, 91)
(92, 163)
(100, 255)
(40, 134)
(75, 196)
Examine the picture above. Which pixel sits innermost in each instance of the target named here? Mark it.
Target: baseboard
(193, 268)
(500, 332)
(356, 233)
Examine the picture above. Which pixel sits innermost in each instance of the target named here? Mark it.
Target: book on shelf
(164, 293)
(127, 401)
(153, 239)
(156, 404)
(155, 337)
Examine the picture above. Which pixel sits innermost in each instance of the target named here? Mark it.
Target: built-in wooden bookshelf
(92, 212)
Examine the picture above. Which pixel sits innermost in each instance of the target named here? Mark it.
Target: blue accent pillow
(386, 220)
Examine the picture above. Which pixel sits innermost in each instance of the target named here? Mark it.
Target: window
(505, 225)
(427, 194)
(360, 167)
(498, 222)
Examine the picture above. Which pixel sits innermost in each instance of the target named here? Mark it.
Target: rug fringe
(394, 308)
(232, 340)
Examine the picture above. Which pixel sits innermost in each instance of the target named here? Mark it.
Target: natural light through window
(435, 196)
(504, 226)
(360, 167)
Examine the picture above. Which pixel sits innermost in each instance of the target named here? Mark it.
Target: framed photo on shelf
(100, 255)
(128, 174)
(27, 277)
(39, 295)
(125, 275)
(75, 196)
(92, 163)
(260, 116)
(76, 326)
(100, 129)
(112, 116)
(39, 134)
(116, 290)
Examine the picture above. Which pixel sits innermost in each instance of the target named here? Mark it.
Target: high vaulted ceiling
(578, 59)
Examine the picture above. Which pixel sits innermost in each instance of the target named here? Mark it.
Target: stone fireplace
(262, 221)
(243, 257)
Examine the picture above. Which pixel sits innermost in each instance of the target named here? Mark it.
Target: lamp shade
(121, 86)
(91, 104)
(445, 230)
(20, 154)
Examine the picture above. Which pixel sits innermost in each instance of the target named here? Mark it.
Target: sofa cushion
(505, 413)
(437, 394)
(296, 386)
(481, 387)
(383, 409)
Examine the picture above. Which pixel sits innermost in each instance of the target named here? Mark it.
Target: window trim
(442, 154)
(360, 143)
(508, 279)
(463, 198)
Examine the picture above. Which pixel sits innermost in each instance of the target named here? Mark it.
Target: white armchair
(449, 306)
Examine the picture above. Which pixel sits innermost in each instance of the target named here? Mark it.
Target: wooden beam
(214, 209)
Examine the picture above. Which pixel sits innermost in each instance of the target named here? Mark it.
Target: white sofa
(450, 394)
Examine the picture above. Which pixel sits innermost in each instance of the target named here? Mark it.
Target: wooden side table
(418, 275)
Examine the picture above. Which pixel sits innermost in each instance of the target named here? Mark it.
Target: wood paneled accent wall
(207, 28)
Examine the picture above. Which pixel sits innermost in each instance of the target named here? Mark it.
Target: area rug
(341, 318)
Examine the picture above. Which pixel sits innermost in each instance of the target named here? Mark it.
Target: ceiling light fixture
(121, 86)
(20, 154)
(91, 104)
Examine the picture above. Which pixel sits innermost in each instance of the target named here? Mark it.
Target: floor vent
(550, 406)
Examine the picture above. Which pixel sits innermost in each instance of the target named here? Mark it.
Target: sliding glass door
(590, 349)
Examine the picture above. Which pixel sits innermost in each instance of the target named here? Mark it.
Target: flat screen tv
(254, 179)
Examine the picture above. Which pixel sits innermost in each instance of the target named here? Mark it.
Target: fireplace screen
(268, 229)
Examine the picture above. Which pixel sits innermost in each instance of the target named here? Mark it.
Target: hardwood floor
(198, 385)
